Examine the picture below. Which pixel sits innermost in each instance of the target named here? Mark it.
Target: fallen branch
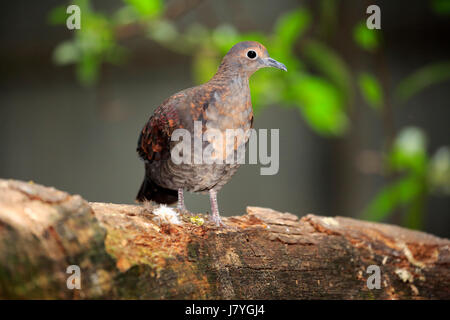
(123, 253)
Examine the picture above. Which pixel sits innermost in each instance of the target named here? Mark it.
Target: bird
(222, 103)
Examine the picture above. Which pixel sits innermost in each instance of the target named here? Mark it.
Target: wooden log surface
(124, 252)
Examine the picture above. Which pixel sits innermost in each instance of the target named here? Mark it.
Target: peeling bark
(124, 253)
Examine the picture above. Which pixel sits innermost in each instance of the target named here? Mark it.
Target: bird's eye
(251, 54)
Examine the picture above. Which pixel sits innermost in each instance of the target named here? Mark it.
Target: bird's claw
(217, 220)
(220, 224)
(185, 212)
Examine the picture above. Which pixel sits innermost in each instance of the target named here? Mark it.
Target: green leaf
(66, 52)
(291, 26)
(163, 31)
(321, 105)
(147, 8)
(408, 154)
(441, 7)
(266, 87)
(422, 78)
(125, 15)
(439, 171)
(88, 69)
(409, 151)
(57, 16)
(367, 39)
(196, 36)
(95, 44)
(224, 37)
(413, 218)
(396, 194)
(331, 65)
(371, 90)
(205, 65)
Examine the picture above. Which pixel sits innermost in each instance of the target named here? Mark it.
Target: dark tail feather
(151, 191)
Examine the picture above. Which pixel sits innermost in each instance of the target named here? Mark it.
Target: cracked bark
(123, 253)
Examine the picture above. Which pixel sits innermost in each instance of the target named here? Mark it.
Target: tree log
(124, 252)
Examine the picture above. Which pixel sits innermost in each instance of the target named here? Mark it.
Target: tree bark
(124, 252)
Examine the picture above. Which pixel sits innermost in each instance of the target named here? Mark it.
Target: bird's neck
(228, 75)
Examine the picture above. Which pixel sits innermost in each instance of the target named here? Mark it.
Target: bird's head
(247, 57)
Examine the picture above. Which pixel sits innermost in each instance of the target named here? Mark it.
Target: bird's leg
(215, 216)
(180, 205)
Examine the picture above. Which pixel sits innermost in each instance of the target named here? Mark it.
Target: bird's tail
(151, 191)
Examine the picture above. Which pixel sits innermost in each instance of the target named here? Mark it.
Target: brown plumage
(222, 103)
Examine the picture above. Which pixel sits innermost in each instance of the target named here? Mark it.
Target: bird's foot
(185, 212)
(215, 216)
(220, 224)
(217, 220)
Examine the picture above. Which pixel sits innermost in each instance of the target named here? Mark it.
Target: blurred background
(363, 114)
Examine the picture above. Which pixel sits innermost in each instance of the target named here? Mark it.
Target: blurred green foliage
(91, 46)
(441, 7)
(370, 90)
(367, 39)
(319, 83)
(322, 99)
(408, 158)
(421, 79)
(418, 175)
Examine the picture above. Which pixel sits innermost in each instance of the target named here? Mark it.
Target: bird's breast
(230, 106)
(233, 115)
(226, 124)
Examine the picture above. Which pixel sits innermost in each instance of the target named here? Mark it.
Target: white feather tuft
(166, 215)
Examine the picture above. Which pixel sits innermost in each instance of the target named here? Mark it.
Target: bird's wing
(154, 140)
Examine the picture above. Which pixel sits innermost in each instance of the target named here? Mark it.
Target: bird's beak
(269, 62)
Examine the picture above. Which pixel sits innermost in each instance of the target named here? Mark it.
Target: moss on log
(123, 253)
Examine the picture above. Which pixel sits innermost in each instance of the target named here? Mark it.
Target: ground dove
(222, 103)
